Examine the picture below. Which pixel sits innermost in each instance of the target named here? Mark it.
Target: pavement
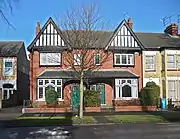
(119, 131)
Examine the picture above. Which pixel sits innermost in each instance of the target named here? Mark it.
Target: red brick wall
(36, 70)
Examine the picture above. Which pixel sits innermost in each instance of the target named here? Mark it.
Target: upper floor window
(8, 67)
(173, 61)
(150, 62)
(97, 59)
(50, 58)
(123, 59)
(77, 59)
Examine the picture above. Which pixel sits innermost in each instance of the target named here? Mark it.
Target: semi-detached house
(120, 78)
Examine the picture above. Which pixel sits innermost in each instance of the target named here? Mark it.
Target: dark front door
(75, 96)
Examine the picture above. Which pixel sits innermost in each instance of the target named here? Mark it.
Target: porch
(117, 88)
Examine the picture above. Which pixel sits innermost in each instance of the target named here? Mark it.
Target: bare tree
(83, 29)
(6, 6)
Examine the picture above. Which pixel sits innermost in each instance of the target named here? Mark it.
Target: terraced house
(14, 73)
(161, 61)
(135, 59)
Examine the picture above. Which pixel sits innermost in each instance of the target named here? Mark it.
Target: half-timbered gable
(124, 38)
(49, 35)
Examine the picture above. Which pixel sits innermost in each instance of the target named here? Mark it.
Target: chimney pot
(130, 23)
(38, 28)
(172, 29)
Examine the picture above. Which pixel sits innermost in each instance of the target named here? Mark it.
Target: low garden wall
(131, 105)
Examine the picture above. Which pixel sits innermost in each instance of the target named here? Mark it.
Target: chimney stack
(130, 23)
(172, 29)
(38, 28)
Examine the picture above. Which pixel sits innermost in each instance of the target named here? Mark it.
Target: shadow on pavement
(42, 128)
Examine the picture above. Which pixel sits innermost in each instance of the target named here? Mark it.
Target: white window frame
(174, 61)
(95, 59)
(54, 57)
(127, 57)
(4, 68)
(152, 64)
(8, 93)
(119, 85)
(77, 59)
(172, 90)
(45, 85)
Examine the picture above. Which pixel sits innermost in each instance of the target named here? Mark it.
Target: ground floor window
(126, 88)
(174, 90)
(43, 85)
(7, 91)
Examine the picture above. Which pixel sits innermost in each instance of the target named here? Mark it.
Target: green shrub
(91, 98)
(150, 94)
(51, 96)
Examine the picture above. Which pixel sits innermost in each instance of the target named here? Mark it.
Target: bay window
(43, 85)
(126, 88)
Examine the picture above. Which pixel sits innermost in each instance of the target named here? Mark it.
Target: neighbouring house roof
(95, 74)
(158, 40)
(10, 48)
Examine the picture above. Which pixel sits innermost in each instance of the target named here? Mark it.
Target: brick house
(118, 78)
(14, 73)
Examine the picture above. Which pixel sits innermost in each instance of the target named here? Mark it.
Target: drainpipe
(177, 79)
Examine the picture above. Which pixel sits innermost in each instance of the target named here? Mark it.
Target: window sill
(150, 70)
(117, 65)
(126, 98)
(50, 65)
(39, 100)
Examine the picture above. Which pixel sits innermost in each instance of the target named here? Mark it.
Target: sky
(146, 15)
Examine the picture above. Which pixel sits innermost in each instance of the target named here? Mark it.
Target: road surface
(121, 131)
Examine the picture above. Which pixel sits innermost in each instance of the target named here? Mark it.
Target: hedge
(150, 94)
(91, 98)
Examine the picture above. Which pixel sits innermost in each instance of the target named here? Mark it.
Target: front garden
(149, 100)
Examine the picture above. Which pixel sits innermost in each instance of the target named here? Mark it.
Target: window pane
(40, 92)
(171, 58)
(130, 59)
(171, 85)
(129, 81)
(58, 82)
(5, 94)
(97, 59)
(117, 59)
(8, 64)
(150, 62)
(171, 65)
(53, 82)
(124, 59)
(40, 82)
(126, 91)
(123, 81)
(8, 71)
(77, 59)
(59, 92)
(46, 81)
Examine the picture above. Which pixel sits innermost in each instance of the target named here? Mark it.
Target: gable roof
(141, 40)
(125, 38)
(43, 38)
(10, 48)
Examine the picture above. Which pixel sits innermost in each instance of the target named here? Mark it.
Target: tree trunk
(81, 96)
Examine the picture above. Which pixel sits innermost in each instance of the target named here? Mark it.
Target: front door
(75, 96)
(100, 88)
